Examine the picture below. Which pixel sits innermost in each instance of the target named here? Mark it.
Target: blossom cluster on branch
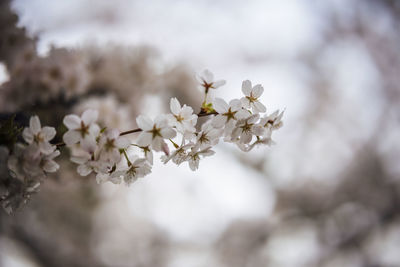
(113, 157)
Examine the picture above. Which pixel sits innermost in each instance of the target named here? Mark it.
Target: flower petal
(144, 139)
(72, 122)
(208, 76)
(34, 124)
(259, 107)
(144, 122)
(90, 116)
(218, 83)
(220, 105)
(46, 148)
(246, 87)
(71, 137)
(48, 133)
(175, 106)
(168, 133)
(84, 170)
(219, 121)
(27, 135)
(257, 90)
(50, 166)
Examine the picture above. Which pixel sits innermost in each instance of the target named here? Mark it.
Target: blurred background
(328, 194)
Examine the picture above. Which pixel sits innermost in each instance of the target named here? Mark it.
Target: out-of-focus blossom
(39, 136)
(206, 80)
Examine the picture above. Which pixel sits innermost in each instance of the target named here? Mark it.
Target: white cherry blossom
(154, 132)
(82, 129)
(208, 136)
(110, 144)
(182, 117)
(39, 136)
(206, 80)
(179, 155)
(194, 156)
(251, 97)
(228, 114)
(245, 129)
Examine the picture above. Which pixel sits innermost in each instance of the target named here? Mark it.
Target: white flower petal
(218, 83)
(245, 137)
(27, 135)
(46, 148)
(245, 102)
(90, 116)
(72, 122)
(71, 137)
(235, 104)
(48, 133)
(122, 142)
(157, 144)
(246, 87)
(34, 124)
(257, 90)
(259, 107)
(175, 106)
(220, 105)
(144, 122)
(168, 133)
(219, 121)
(50, 166)
(208, 76)
(84, 170)
(144, 139)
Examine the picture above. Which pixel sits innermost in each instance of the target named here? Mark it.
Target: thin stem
(200, 114)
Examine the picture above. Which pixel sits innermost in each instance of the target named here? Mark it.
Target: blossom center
(155, 132)
(84, 130)
(230, 114)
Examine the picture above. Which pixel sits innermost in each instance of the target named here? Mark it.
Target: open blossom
(111, 143)
(208, 136)
(273, 121)
(39, 136)
(251, 97)
(228, 114)
(154, 132)
(136, 168)
(194, 156)
(179, 155)
(182, 117)
(83, 130)
(245, 129)
(206, 80)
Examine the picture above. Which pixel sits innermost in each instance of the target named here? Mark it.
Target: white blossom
(179, 155)
(136, 168)
(251, 97)
(110, 144)
(82, 130)
(228, 114)
(245, 129)
(39, 136)
(209, 136)
(154, 133)
(182, 117)
(206, 80)
(194, 156)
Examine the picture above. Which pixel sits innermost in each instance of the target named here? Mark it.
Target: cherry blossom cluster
(30, 162)
(115, 157)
